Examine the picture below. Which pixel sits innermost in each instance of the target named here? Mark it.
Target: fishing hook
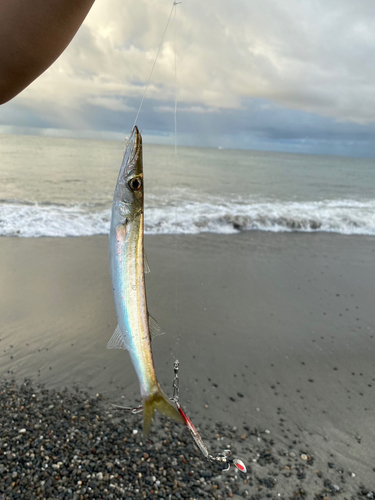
(133, 410)
(222, 458)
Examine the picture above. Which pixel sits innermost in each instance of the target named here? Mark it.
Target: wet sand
(273, 332)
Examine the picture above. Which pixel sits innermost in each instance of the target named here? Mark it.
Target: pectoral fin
(123, 209)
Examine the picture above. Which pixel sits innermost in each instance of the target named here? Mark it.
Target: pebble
(57, 445)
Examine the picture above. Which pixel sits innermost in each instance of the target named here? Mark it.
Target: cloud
(186, 109)
(111, 103)
(298, 62)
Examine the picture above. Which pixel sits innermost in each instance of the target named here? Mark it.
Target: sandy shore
(273, 332)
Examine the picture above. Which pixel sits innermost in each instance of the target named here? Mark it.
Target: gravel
(69, 444)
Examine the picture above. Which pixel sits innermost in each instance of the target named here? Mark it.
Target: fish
(128, 265)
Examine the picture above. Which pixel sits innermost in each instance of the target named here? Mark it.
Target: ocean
(64, 187)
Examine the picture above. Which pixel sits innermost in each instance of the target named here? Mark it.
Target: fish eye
(135, 184)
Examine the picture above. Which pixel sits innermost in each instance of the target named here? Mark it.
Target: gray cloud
(249, 73)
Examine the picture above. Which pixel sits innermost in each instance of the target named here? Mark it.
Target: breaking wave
(34, 220)
(192, 217)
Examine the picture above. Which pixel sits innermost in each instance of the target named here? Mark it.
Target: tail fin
(160, 402)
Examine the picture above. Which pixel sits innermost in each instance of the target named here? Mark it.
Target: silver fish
(128, 267)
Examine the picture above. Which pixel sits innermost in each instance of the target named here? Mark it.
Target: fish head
(128, 198)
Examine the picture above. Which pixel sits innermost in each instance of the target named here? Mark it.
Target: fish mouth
(133, 154)
(134, 144)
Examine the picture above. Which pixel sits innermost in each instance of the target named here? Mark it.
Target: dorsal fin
(154, 327)
(145, 262)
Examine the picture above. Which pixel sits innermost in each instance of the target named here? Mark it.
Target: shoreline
(273, 332)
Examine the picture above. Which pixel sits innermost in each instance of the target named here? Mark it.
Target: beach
(274, 334)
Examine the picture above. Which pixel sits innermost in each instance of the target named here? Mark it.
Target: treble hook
(133, 410)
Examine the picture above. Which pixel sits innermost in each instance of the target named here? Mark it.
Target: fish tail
(158, 401)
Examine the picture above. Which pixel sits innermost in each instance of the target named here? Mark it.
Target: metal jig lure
(222, 458)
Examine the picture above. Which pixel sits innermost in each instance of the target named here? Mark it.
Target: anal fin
(117, 340)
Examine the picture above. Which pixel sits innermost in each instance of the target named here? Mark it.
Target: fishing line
(175, 170)
(174, 7)
(175, 79)
(153, 66)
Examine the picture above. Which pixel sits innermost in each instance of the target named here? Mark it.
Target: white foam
(339, 216)
(51, 220)
(192, 217)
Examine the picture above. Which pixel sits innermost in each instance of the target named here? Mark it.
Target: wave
(34, 220)
(338, 216)
(192, 217)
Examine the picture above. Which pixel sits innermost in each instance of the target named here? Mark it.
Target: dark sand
(273, 332)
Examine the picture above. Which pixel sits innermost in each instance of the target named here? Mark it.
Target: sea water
(64, 187)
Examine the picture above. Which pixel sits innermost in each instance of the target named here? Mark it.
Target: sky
(296, 76)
